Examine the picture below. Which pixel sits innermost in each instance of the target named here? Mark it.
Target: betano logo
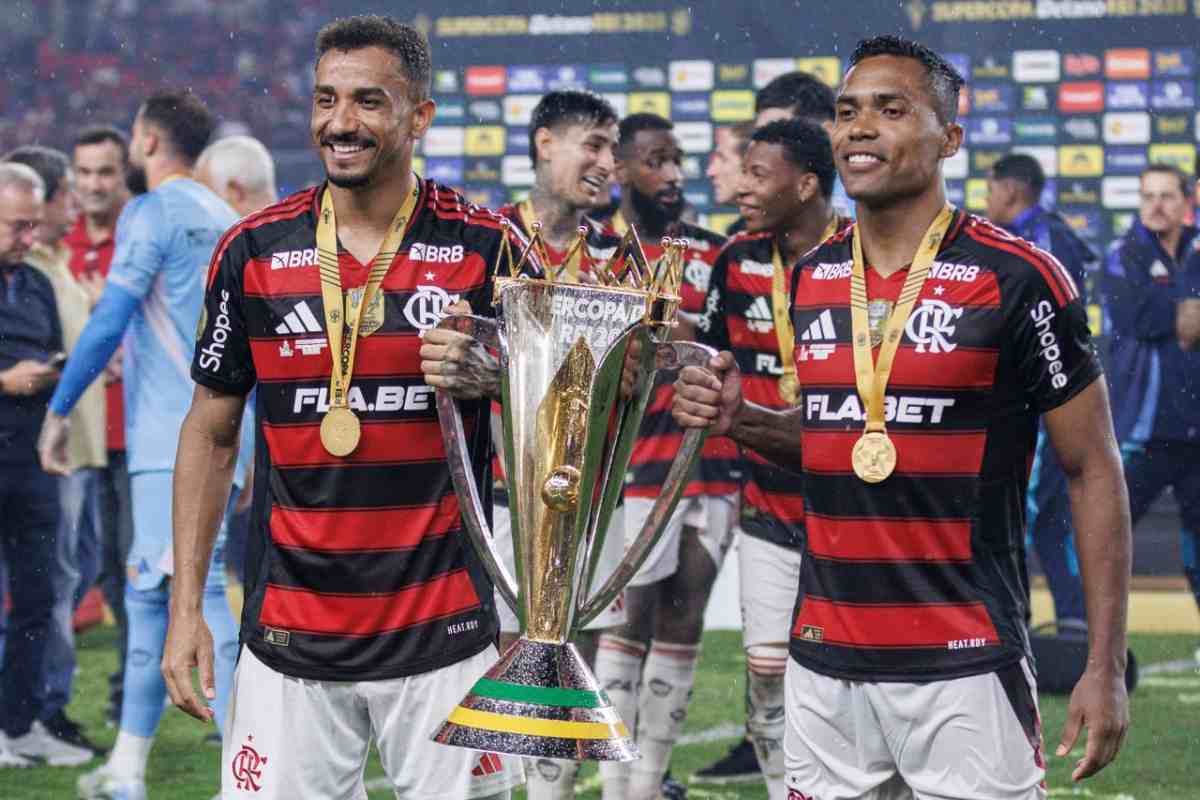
(732, 105)
(1182, 156)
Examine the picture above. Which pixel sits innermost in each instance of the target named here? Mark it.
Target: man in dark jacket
(1151, 286)
(1014, 188)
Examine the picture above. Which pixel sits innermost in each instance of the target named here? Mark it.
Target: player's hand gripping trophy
(568, 430)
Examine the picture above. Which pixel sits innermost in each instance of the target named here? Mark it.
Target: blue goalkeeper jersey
(164, 241)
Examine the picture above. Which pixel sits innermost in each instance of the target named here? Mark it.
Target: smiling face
(888, 143)
(364, 121)
(575, 160)
(771, 189)
(651, 169)
(99, 177)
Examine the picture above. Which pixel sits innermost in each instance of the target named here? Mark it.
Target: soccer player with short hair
(152, 297)
(910, 670)
(784, 196)
(368, 614)
(572, 138)
(665, 601)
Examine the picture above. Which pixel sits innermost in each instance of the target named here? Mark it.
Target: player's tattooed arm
(712, 398)
(459, 364)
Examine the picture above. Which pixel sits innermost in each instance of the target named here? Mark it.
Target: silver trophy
(568, 434)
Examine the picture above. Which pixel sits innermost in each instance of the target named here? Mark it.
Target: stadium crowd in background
(103, 288)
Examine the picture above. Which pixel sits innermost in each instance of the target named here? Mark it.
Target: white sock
(129, 756)
(550, 778)
(618, 669)
(765, 713)
(662, 709)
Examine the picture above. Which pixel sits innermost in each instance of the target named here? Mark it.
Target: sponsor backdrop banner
(1094, 89)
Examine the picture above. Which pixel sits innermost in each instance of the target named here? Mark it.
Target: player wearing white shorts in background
(910, 674)
(659, 645)
(368, 615)
(784, 196)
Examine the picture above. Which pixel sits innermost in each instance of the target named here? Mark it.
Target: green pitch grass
(1158, 762)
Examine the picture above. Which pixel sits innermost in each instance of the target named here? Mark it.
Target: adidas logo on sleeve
(820, 330)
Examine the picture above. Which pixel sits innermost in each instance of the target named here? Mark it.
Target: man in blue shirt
(1014, 188)
(30, 338)
(1151, 286)
(152, 298)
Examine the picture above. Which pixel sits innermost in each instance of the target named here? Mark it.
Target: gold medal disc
(873, 457)
(787, 388)
(340, 431)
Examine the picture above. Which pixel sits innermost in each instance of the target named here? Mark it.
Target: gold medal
(348, 315)
(340, 431)
(874, 456)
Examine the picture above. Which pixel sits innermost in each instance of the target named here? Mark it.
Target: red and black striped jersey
(739, 317)
(660, 437)
(922, 576)
(357, 567)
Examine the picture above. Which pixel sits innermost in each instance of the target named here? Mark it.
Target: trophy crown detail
(627, 268)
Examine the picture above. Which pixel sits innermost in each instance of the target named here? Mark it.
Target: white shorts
(770, 578)
(610, 557)
(291, 739)
(710, 516)
(974, 738)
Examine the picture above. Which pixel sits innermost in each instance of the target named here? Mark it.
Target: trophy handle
(669, 355)
(454, 440)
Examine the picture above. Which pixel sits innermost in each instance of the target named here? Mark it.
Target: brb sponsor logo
(212, 353)
(290, 259)
(1043, 321)
(386, 399)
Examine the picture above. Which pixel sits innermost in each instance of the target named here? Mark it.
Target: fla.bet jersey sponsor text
(922, 576)
(738, 316)
(357, 567)
(660, 437)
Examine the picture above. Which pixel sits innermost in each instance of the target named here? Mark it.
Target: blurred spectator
(77, 553)
(100, 158)
(725, 165)
(240, 170)
(30, 336)
(1014, 187)
(1148, 292)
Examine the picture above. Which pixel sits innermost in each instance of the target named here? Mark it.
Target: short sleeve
(223, 360)
(711, 328)
(1049, 335)
(139, 252)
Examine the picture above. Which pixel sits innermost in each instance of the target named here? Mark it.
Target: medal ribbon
(872, 378)
(525, 212)
(781, 311)
(331, 288)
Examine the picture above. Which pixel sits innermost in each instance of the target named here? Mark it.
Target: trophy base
(540, 700)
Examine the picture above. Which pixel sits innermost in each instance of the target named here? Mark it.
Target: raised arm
(204, 467)
(1081, 431)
